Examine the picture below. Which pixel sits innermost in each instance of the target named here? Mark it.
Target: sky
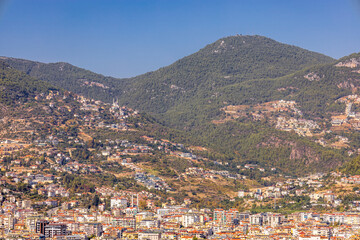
(125, 38)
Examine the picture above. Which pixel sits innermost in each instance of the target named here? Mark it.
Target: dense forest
(16, 86)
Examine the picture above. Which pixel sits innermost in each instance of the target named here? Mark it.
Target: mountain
(67, 76)
(249, 74)
(86, 144)
(227, 61)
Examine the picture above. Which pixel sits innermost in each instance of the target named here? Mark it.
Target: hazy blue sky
(124, 38)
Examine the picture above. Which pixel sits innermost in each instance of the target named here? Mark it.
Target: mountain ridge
(169, 81)
(192, 92)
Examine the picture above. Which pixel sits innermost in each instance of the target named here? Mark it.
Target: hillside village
(62, 179)
(124, 214)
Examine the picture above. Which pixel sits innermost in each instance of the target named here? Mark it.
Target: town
(69, 184)
(122, 214)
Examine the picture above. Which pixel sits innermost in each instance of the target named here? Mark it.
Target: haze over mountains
(195, 93)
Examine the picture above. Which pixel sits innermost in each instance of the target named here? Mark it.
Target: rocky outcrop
(313, 77)
(297, 151)
(351, 63)
(351, 84)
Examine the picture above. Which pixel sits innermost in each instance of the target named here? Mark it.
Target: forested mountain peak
(258, 48)
(247, 57)
(228, 60)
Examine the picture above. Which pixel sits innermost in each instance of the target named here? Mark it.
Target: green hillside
(228, 61)
(314, 96)
(16, 86)
(69, 77)
(244, 140)
(225, 62)
(352, 167)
